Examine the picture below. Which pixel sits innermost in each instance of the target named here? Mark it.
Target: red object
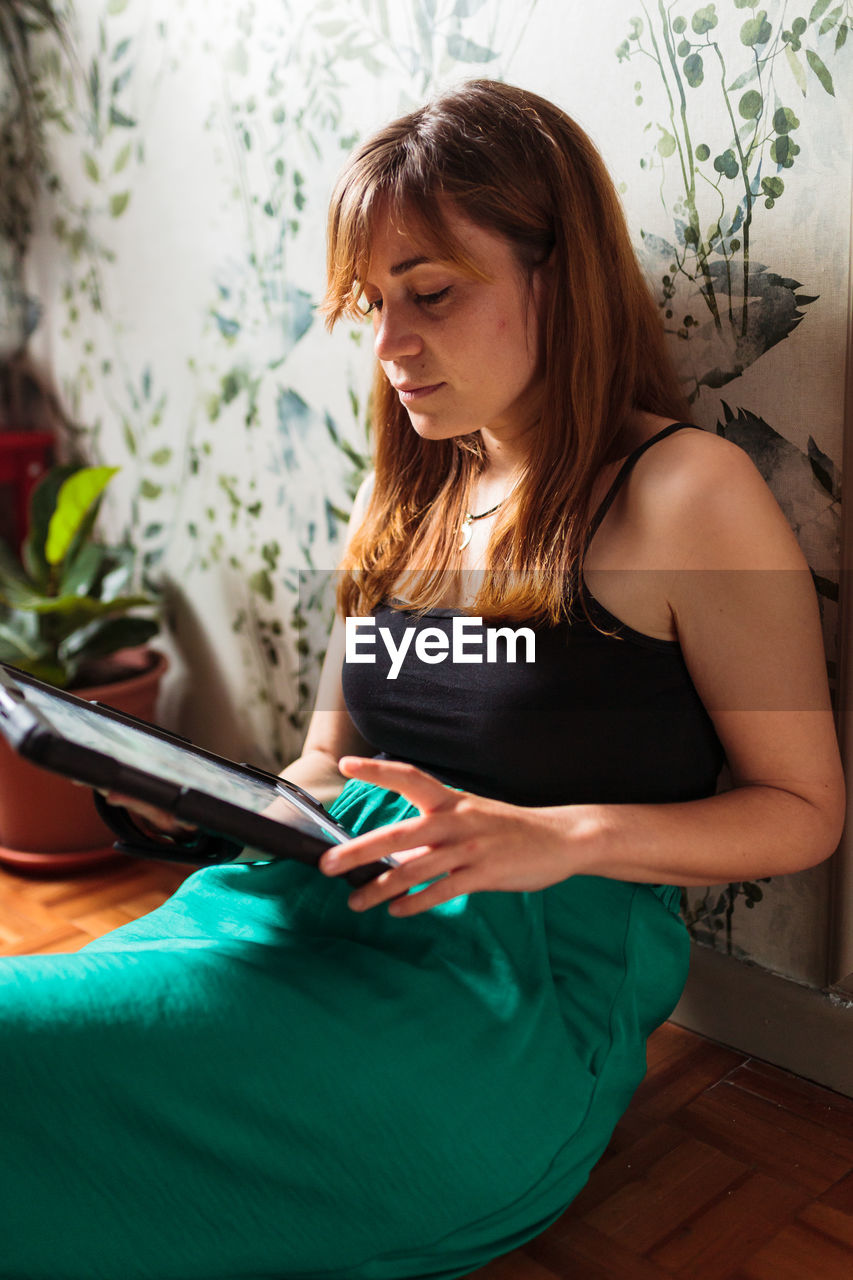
(49, 826)
(24, 458)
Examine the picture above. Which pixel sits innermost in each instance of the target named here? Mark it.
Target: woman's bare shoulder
(705, 495)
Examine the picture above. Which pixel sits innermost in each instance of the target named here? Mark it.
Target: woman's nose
(394, 336)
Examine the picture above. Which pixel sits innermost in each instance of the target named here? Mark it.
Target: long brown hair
(515, 164)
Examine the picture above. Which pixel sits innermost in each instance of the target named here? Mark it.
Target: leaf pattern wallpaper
(180, 258)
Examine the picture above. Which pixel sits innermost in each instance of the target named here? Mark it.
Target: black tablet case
(30, 730)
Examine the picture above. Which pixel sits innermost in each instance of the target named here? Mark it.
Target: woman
(270, 1077)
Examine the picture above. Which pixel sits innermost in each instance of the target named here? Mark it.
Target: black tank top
(603, 713)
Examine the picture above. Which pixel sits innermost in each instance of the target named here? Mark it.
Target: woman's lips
(410, 394)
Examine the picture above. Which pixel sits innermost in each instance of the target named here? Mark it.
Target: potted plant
(68, 615)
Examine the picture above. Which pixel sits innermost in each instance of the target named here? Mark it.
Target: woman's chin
(430, 428)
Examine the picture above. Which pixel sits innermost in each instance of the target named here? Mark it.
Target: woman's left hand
(472, 843)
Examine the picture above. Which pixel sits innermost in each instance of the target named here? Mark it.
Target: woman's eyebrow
(400, 268)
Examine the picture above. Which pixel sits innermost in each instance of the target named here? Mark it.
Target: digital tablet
(112, 751)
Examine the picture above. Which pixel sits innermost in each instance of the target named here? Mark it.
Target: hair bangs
(399, 195)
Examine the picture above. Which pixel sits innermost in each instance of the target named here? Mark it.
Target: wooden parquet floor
(723, 1167)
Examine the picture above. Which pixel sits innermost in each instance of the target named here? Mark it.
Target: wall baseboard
(797, 1028)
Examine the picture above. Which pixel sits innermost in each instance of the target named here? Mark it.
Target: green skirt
(254, 1082)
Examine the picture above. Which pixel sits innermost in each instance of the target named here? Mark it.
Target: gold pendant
(466, 533)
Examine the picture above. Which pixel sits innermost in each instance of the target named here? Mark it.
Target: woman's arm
(331, 733)
(747, 619)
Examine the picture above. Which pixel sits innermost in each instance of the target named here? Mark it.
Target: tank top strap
(623, 473)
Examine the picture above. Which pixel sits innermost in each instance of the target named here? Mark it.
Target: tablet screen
(171, 762)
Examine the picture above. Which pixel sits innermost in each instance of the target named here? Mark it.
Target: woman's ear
(541, 278)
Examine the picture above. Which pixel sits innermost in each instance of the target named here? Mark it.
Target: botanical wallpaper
(180, 258)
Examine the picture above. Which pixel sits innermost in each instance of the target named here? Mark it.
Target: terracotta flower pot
(47, 824)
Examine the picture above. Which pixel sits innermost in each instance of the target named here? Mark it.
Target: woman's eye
(430, 299)
(420, 299)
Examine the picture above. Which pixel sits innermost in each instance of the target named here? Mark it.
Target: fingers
(397, 883)
(422, 789)
(444, 890)
(409, 837)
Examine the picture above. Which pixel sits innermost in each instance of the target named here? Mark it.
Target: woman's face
(462, 354)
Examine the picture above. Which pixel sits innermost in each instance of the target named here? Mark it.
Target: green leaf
(703, 151)
(122, 158)
(840, 38)
(14, 645)
(119, 203)
(756, 31)
(704, 19)
(464, 50)
(818, 8)
(150, 490)
(102, 637)
(20, 596)
(744, 79)
(819, 68)
(75, 499)
(116, 6)
(81, 572)
(797, 70)
(261, 582)
(784, 120)
(750, 105)
(91, 167)
(727, 164)
(666, 142)
(161, 457)
(42, 506)
(10, 568)
(830, 20)
(120, 81)
(116, 581)
(783, 149)
(694, 70)
(95, 85)
(118, 118)
(87, 606)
